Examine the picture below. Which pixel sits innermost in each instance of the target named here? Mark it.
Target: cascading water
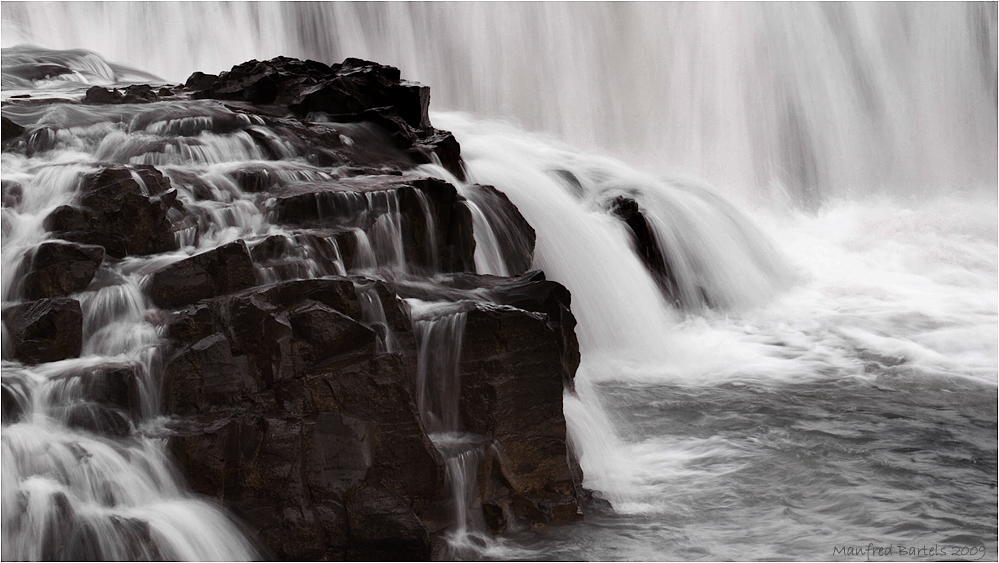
(817, 370)
(439, 328)
(814, 99)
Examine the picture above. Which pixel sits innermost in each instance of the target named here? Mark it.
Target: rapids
(821, 177)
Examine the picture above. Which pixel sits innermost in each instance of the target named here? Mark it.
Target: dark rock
(61, 268)
(328, 331)
(139, 93)
(305, 253)
(445, 146)
(384, 528)
(351, 92)
(200, 81)
(119, 213)
(647, 246)
(286, 410)
(40, 139)
(514, 234)
(46, 330)
(134, 94)
(222, 270)
(254, 179)
(113, 385)
(101, 95)
(9, 129)
(512, 382)
(532, 292)
(207, 375)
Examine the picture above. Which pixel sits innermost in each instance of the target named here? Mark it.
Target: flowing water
(821, 378)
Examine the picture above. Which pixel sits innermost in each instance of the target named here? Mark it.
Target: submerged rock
(646, 245)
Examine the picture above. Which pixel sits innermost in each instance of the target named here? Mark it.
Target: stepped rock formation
(291, 363)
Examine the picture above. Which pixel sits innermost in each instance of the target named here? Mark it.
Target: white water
(856, 142)
(815, 98)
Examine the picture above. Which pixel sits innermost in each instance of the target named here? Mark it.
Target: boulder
(60, 268)
(123, 208)
(512, 382)
(200, 81)
(221, 270)
(45, 330)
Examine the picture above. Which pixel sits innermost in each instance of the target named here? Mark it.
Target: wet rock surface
(45, 330)
(123, 209)
(219, 271)
(60, 268)
(286, 406)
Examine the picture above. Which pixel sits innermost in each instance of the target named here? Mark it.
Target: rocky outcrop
(349, 92)
(60, 268)
(290, 361)
(123, 209)
(291, 417)
(45, 330)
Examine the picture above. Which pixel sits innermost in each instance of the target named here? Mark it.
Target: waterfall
(808, 100)
(797, 220)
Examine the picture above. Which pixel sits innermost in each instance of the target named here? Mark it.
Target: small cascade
(386, 233)
(429, 243)
(374, 313)
(488, 256)
(439, 329)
